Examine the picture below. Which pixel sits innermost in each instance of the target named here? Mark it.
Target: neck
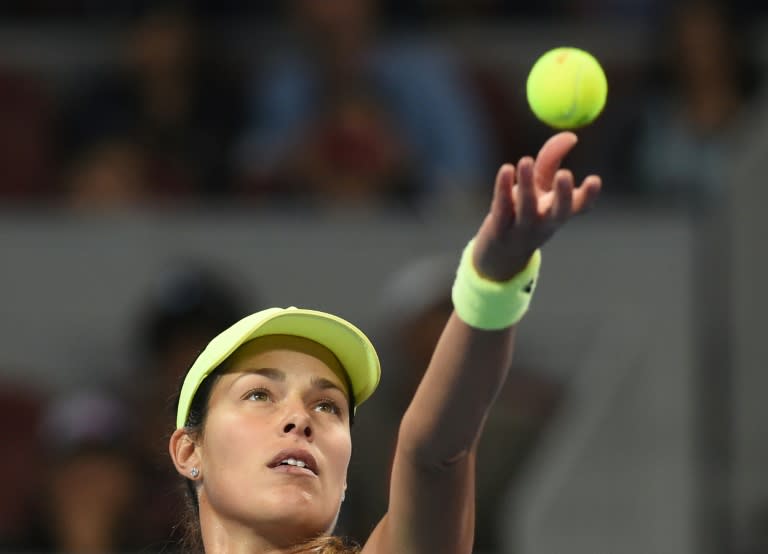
(222, 535)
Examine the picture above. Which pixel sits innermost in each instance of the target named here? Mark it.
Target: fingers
(565, 200)
(562, 203)
(526, 202)
(527, 205)
(585, 196)
(550, 157)
(502, 205)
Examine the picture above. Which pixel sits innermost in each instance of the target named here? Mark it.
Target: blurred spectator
(89, 501)
(172, 108)
(413, 310)
(347, 116)
(21, 410)
(188, 306)
(688, 124)
(26, 149)
(110, 174)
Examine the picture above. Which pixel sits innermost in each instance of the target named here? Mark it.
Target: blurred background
(168, 167)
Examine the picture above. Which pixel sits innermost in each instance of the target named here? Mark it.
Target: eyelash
(335, 409)
(263, 391)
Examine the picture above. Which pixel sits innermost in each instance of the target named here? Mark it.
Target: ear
(185, 452)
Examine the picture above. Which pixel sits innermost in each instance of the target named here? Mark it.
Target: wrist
(489, 304)
(495, 263)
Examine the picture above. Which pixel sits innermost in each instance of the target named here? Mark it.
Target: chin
(293, 507)
(294, 496)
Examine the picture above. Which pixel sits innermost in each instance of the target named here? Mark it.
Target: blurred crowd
(88, 471)
(353, 107)
(351, 104)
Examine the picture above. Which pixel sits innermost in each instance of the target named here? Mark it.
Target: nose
(298, 423)
(305, 430)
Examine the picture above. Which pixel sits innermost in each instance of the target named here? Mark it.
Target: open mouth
(298, 462)
(296, 470)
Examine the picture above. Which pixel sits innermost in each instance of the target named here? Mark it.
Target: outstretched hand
(530, 203)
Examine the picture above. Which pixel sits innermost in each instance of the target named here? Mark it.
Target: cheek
(339, 450)
(230, 463)
(228, 442)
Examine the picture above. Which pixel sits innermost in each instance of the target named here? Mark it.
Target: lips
(299, 455)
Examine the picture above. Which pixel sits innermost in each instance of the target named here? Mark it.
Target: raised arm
(431, 505)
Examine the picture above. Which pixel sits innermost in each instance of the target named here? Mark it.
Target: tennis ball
(567, 88)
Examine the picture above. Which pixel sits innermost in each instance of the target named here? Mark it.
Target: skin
(278, 392)
(431, 501)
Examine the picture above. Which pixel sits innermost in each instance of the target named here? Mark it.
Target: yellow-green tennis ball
(567, 88)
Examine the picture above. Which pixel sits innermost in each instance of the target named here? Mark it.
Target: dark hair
(190, 299)
(192, 540)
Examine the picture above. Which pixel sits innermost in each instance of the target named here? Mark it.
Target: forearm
(492, 291)
(447, 413)
(434, 461)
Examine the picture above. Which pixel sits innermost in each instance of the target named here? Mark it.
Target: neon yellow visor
(348, 343)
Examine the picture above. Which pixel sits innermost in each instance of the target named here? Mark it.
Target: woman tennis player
(263, 423)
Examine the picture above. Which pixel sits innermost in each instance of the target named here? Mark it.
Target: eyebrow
(269, 372)
(323, 384)
(279, 375)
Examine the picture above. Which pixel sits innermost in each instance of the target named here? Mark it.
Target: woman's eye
(328, 406)
(257, 394)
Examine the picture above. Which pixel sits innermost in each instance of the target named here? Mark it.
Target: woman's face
(281, 403)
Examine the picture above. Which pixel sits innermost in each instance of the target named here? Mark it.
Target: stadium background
(168, 167)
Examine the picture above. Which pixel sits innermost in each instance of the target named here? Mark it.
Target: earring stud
(195, 472)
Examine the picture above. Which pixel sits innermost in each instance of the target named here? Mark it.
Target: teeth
(294, 462)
